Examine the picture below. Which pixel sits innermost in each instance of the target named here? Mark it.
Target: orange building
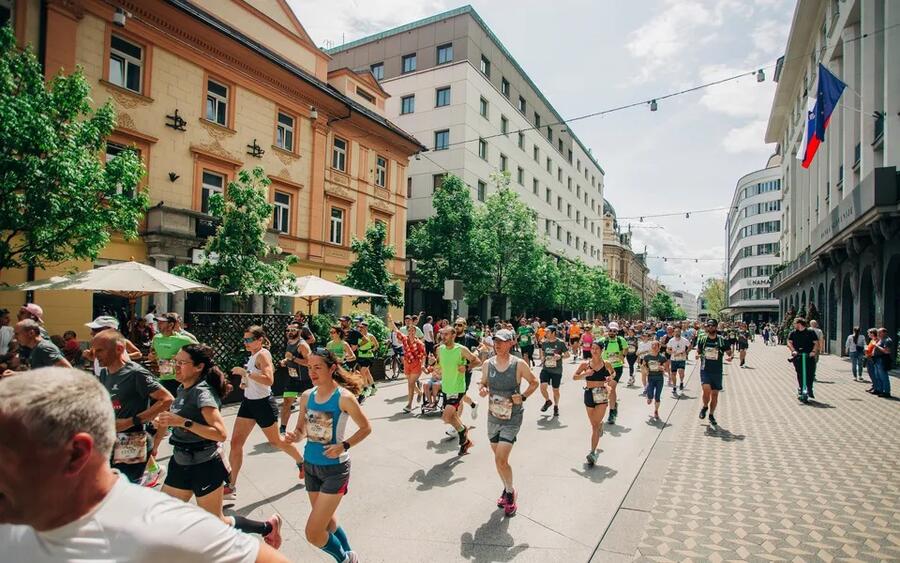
(203, 89)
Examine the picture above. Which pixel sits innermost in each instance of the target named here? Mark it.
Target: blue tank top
(325, 425)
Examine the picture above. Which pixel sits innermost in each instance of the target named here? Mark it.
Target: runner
(454, 361)
(339, 347)
(41, 351)
(677, 347)
(471, 342)
(574, 332)
(631, 352)
(501, 378)
(553, 352)
(165, 344)
(587, 339)
(803, 343)
(743, 343)
(196, 468)
(598, 331)
(711, 348)
(643, 348)
(655, 363)
(365, 353)
(414, 355)
(526, 341)
(614, 350)
(324, 411)
(257, 407)
(100, 324)
(296, 353)
(597, 374)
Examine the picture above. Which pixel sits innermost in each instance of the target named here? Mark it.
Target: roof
(608, 208)
(467, 9)
(222, 27)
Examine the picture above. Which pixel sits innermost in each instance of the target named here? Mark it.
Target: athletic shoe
(630, 381)
(883, 395)
(613, 413)
(230, 493)
(152, 478)
(674, 393)
(643, 393)
(656, 415)
(273, 538)
(464, 448)
(407, 410)
(681, 386)
(501, 502)
(592, 458)
(373, 389)
(510, 508)
(703, 412)
(547, 404)
(451, 432)
(810, 394)
(712, 421)
(352, 557)
(555, 411)
(474, 411)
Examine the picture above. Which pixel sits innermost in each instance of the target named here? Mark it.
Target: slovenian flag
(828, 92)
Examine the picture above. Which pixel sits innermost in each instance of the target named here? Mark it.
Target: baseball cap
(504, 335)
(35, 310)
(712, 322)
(363, 323)
(613, 326)
(104, 321)
(168, 318)
(552, 327)
(344, 318)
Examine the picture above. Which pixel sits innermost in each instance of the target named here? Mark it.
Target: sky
(588, 56)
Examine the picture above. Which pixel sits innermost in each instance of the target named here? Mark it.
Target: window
(579, 165)
(569, 239)
(536, 153)
(125, 63)
(549, 165)
(442, 140)
(522, 104)
(339, 154)
(558, 203)
(547, 227)
(520, 175)
(482, 149)
(409, 63)
(560, 146)
(407, 104)
(537, 120)
(336, 233)
(570, 156)
(559, 174)
(549, 134)
(548, 196)
(282, 220)
(365, 95)
(482, 188)
(485, 66)
(558, 232)
(380, 171)
(212, 184)
(216, 102)
(436, 181)
(521, 140)
(569, 183)
(503, 163)
(534, 187)
(442, 97)
(578, 191)
(483, 108)
(569, 210)
(408, 187)
(284, 133)
(504, 87)
(7, 12)
(112, 151)
(377, 71)
(444, 53)
(504, 125)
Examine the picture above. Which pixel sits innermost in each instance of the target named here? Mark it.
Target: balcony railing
(879, 126)
(790, 268)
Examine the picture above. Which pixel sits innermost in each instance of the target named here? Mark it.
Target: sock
(462, 435)
(333, 548)
(251, 526)
(342, 537)
(152, 467)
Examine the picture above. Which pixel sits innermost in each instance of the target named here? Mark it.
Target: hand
(238, 371)
(294, 435)
(483, 391)
(334, 450)
(794, 353)
(517, 399)
(283, 363)
(8, 373)
(461, 369)
(167, 418)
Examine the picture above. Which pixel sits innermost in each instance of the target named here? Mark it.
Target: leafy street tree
(58, 200)
(602, 299)
(714, 293)
(679, 315)
(662, 306)
(537, 290)
(237, 258)
(369, 272)
(574, 290)
(628, 302)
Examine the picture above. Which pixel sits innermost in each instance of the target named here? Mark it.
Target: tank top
(503, 385)
(597, 375)
(336, 348)
(325, 426)
(450, 359)
(614, 351)
(366, 349)
(254, 389)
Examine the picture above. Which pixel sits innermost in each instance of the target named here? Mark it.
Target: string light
(760, 76)
(653, 105)
(675, 213)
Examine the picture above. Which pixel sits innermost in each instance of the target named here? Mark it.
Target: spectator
(141, 335)
(855, 347)
(881, 359)
(71, 347)
(150, 318)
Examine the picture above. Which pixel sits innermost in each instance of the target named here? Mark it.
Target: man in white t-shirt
(60, 501)
(428, 332)
(677, 347)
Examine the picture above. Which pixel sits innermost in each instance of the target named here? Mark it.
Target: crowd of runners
(177, 391)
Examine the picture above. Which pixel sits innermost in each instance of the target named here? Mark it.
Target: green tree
(714, 293)
(662, 306)
(58, 200)
(537, 290)
(574, 289)
(369, 271)
(602, 299)
(679, 315)
(237, 258)
(627, 301)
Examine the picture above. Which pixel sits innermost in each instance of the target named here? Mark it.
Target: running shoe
(555, 411)
(407, 410)
(229, 493)
(464, 448)
(273, 538)
(613, 413)
(656, 415)
(712, 421)
(592, 458)
(681, 386)
(811, 396)
(451, 432)
(674, 393)
(703, 412)
(643, 393)
(630, 381)
(474, 411)
(373, 389)
(152, 478)
(510, 508)
(546, 405)
(501, 502)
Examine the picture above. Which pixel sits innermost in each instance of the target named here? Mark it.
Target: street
(751, 486)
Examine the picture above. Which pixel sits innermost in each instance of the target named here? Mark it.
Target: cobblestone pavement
(781, 481)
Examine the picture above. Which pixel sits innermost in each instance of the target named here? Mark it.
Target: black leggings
(631, 358)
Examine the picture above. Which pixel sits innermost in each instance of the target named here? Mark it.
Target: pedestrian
(367, 345)
(872, 335)
(414, 354)
(597, 373)
(324, 411)
(615, 347)
(803, 343)
(677, 347)
(454, 362)
(855, 347)
(655, 363)
(711, 350)
(882, 356)
(428, 334)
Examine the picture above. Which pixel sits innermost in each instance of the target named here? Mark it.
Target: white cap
(504, 335)
(613, 326)
(104, 322)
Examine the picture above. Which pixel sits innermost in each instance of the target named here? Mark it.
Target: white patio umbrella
(125, 279)
(312, 288)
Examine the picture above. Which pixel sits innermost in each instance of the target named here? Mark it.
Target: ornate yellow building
(621, 262)
(205, 88)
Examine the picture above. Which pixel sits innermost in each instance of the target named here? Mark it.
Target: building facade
(687, 301)
(620, 261)
(840, 246)
(457, 89)
(205, 88)
(753, 230)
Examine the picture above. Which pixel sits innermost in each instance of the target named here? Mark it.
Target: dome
(608, 208)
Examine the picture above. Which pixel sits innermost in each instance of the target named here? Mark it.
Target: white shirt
(428, 330)
(254, 389)
(644, 347)
(678, 345)
(7, 333)
(133, 524)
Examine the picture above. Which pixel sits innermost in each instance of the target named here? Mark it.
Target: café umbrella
(312, 288)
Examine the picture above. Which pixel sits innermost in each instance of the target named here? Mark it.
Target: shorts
(429, 348)
(589, 399)
(264, 411)
(295, 386)
(432, 382)
(528, 350)
(586, 354)
(328, 479)
(714, 380)
(574, 339)
(201, 479)
(170, 385)
(468, 379)
(743, 345)
(554, 379)
(503, 432)
(618, 375)
(677, 365)
(455, 401)
(655, 387)
(363, 362)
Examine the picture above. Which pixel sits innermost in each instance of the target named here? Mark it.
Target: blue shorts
(714, 380)
(677, 365)
(654, 387)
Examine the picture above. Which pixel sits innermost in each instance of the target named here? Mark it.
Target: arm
(304, 349)
(132, 351)
(349, 354)
(214, 429)
(266, 373)
(483, 384)
(163, 400)
(579, 372)
(350, 405)
(474, 362)
(62, 362)
(300, 430)
(523, 372)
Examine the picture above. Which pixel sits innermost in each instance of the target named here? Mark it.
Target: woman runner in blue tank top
(324, 410)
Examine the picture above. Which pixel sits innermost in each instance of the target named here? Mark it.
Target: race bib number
(653, 365)
(292, 372)
(523, 340)
(631, 349)
(130, 448)
(319, 427)
(500, 407)
(600, 394)
(166, 368)
(616, 357)
(711, 354)
(680, 356)
(550, 362)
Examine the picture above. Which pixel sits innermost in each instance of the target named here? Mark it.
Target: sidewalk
(779, 480)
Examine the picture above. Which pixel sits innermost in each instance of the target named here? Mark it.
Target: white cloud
(748, 138)
(680, 274)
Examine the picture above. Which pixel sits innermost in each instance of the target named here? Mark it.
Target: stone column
(256, 304)
(161, 300)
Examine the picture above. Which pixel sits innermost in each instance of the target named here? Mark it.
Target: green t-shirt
(452, 382)
(615, 350)
(165, 348)
(526, 334)
(419, 333)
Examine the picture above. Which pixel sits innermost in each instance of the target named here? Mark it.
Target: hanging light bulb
(642, 219)
(687, 215)
(653, 105)
(760, 76)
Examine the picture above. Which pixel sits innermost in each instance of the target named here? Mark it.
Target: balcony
(879, 127)
(790, 269)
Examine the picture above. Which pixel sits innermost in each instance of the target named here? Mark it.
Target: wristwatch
(346, 445)
(188, 423)
(136, 420)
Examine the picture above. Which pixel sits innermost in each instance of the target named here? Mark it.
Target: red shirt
(413, 351)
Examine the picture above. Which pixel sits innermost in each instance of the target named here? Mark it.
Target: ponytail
(349, 381)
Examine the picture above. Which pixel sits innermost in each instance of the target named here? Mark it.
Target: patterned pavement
(781, 481)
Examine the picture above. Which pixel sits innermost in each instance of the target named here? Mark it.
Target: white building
(840, 244)
(456, 88)
(753, 228)
(687, 301)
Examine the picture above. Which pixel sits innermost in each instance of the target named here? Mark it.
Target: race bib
(631, 349)
(653, 365)
(130, 448)
(523, 340)
(319, 427)
(550, 362)
(500, 407)
(166, 367)
(680, 356)
(292, 372)
(616, 357)
(711, 354)
(600, 394)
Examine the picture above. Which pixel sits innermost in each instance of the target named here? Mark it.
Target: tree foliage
(369, 271)
(679, 315)
(662, 306)
(714, 293)
(237, 259)
(58, 200)
(574, 291)
(626, 301)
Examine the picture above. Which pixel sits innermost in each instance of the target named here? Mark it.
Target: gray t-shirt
(549, 348)
(44, 354)
(130, 389)
(189, 403)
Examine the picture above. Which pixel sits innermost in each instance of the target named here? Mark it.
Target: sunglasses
(249, 340)
(459, 324)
